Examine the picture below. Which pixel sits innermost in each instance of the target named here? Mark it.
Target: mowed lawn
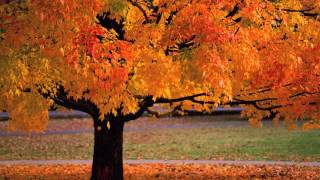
(176, 139)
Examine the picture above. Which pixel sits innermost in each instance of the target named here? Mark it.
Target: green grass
(225, 143)
(234, 143)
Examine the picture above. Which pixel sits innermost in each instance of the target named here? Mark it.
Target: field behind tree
(186, 138)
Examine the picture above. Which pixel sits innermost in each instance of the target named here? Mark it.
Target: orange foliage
(118, 55)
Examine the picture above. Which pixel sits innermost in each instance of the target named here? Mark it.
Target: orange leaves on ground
(161, 171)
(194, 171)
(20, 172)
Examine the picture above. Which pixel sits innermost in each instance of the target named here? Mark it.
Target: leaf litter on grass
(164, 172)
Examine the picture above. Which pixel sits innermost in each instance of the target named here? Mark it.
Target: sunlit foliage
(125, 56)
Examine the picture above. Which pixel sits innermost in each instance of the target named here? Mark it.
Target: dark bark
(107, 158)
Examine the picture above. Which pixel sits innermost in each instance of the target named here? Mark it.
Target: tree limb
(165, 100)
(144, 105)
(61, 98)
(136, 4)
(159, 114)
(233, 11)
(305, 12)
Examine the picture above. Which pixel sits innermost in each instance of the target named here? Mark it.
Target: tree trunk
(107, 157)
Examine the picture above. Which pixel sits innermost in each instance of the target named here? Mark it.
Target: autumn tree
(114, 59)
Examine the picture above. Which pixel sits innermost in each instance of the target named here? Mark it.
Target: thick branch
(236, 101)
(147, 101)
(303, 93)
(136, 4)
(107, 22)
(305, 12)
(233, 11)
(61, 98)
(255, 103)
(165, 100)
(144, 105)
(159, 114)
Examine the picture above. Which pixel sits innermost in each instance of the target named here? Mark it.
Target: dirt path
(210, 162)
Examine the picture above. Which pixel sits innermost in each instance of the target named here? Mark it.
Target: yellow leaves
(130, 105)
(156, 2)
(45, 64)
(17, 92)
(313, 124)
(167, 93)
(22, 71)
(190, 47)
(28, 112)
(310, 126)
(133, 17)
(255, 122)
(154, 73)
(108, 125)
(62, 51)
(291, 4)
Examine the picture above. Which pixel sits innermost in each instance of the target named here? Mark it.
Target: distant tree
(114, 59)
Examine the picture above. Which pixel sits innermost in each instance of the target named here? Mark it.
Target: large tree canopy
(121, 57)
(114, 59)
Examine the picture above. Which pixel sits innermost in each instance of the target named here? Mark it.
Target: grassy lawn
(216, 143)
(224, 144)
